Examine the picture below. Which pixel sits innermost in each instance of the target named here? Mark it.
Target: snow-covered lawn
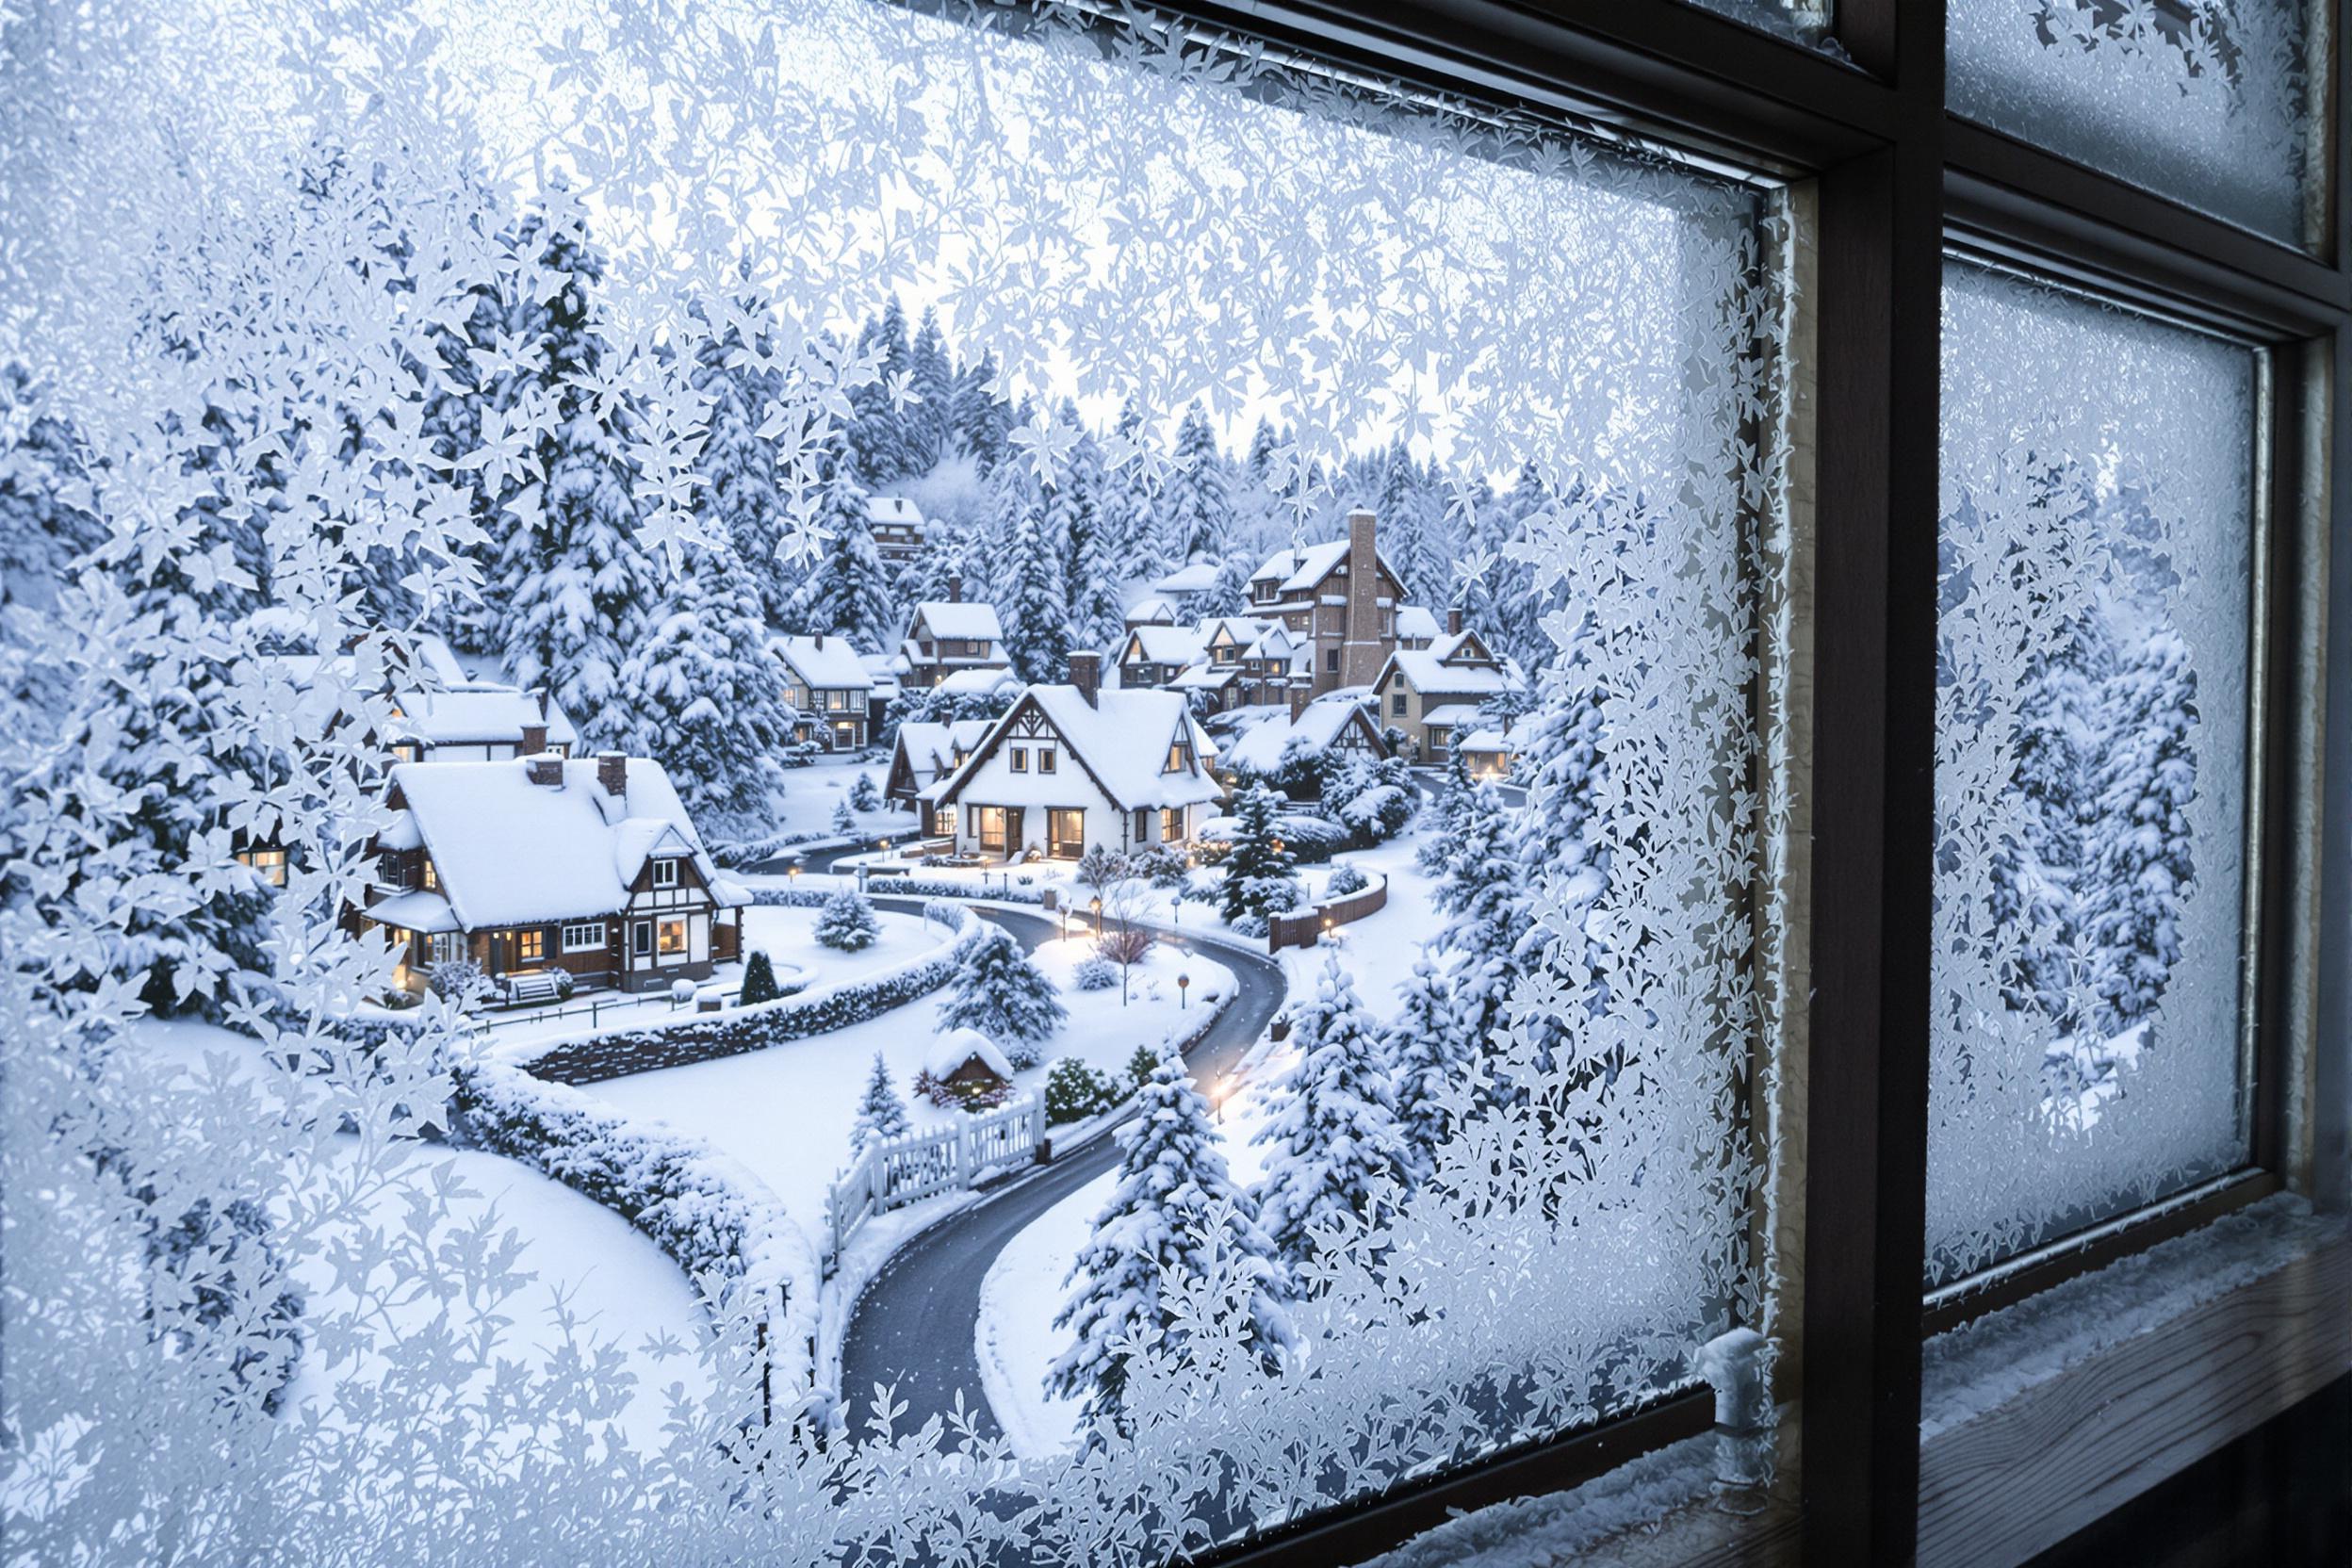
(806, 800)
(1015, 1339)
(788, 935)
(786, 1111)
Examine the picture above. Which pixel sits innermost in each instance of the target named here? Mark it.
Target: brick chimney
(1453, 621)
(534, 738)
(539, 696)
(612, 771)
(1302, 693)
(1363, 651)
(1086, 672)
(544, 770)
(954, 587)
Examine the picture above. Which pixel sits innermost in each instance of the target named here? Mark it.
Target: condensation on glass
(2217, 104)
(2098, 543)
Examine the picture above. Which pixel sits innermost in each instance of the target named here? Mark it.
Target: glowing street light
(1184, 989)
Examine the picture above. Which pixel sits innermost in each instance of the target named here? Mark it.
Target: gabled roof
(1120, 741)
(931, 749)
(509, 852)
(950, 1051)
(1489, 739)
(1318, 725)
(834, 664)
(1151, 612)
(1430, 672)
(1197, 577)
(1298, 570)
(1419, 623)
(475, 716)
(958, 618)
(978, 680)
(1244, 629)
(893, 508)
(1165, 645)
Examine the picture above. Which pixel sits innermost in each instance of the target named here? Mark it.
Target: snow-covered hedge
(931, 887)
(617, 1052)
(705, 1210)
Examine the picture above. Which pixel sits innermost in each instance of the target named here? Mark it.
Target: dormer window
(1178, 757)
(665, 872)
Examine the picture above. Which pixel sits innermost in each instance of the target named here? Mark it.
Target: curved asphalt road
(913, 1328)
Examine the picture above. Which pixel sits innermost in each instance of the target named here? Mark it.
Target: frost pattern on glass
(345, 324)
(2208, 102)
(2091, 777)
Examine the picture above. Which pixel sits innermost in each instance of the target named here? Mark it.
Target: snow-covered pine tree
(1037, 607)
(705, 692)
(738, 498)
(1174, 1214)
(1129, 503)
(1437, 849)
(1230, 594)
(843, 820)
(847, 925)
(881, 1114)
(997, 990)
(1196, 514)
(848, 594)
(1333, 1139)
(1433, 1065)
(876, 433)
(1259, 862)
(2034, 879)
(759, 979)
(1486, 920)
(2144, 852)
(574, 587)
(929, 424)
(983, 422)
(1096, 612)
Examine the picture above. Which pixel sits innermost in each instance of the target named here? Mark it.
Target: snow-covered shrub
(1379, 813)
(848, 923)
(1094, 974)
(1344, 881)
(998, 991)
(1074, 1091)
(881, 1114)
(1162, 865)
(455, 980)
(863, 796)
(799, 754)
(844, 823)
(681, 993)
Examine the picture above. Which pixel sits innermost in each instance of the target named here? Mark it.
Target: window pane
(1808, 21)
(2212, 103)
(2098, 518)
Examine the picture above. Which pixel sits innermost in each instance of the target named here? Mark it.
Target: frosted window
(2209, 102)
(1808, 21)
(2091, 764)
(661, 359)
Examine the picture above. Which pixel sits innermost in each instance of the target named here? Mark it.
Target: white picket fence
(904, 1170)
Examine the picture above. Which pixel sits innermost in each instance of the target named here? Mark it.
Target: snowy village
(817, 866)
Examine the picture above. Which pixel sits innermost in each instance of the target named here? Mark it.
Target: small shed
(968, 1061)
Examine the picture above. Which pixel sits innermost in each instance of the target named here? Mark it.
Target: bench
(525, 990)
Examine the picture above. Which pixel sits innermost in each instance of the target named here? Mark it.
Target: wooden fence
(903, 1170)
(1302, 929)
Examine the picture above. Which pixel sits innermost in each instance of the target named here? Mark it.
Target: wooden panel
(2026, 1476)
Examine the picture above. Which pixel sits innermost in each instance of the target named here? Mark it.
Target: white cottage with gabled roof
(828, 682)
(1072, 767)
(947, 636)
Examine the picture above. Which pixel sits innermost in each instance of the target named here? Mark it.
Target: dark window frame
(1889, 179)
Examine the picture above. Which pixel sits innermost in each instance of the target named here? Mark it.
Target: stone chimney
(539, 696)
(545, 770)
(1363, 651)
(1453, 621)
(1302, 693)
(954, 587)
(612, 771)
(1086, 672)
(534, 738)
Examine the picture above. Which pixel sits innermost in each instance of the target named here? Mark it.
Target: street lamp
(1096, 904)
(1184, 990)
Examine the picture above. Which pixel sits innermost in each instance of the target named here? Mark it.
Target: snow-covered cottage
(926, 753)
(548, 862)
(947, 635)
(827, 680)
(1338, 721)
(1416, 628)
(966, 1062)
(1153, 656)
(897, 527)
(478, 721)
(1489, 752)
(1339, 596)
(1068, 767)
(1434, 693)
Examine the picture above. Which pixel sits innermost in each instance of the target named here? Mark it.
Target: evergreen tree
(1174, 1215)
(847, 924)
(1095, 613)
(997, 990)
(1437, 849)
(574, 589)
(1334, 1137)
(931, 422)
(1259, 864)
(849, 594)
(1481, 898)
(983, 423)
(876, 436)
(759, 980)
(843, 820)
(1432, 1062)
(705, 692)
(1197, 514)
(881, 1114)
(45, 527)
(2144, 866)
(1128, 504)
(1230, 594)
(2036, 877)
(1036, 616)
(738, 500)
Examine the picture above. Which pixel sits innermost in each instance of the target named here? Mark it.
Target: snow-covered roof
(509, 852)
(1261, 744)
(893, 508)
(1452, 715)
(835, 664)
(1208, 677)
(884, 668)
(278, 621)
(1120, 740)
(1151, 612)
(415, 910)
(1300, 570)
(1236, 628)
(950, 1051)
(476, 715)
(1489, 739)
(1419, 623)
(931, 749)
(1197, 577)
(979, 681)
(960, 618)
(1429, 672)
(1167, 644)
